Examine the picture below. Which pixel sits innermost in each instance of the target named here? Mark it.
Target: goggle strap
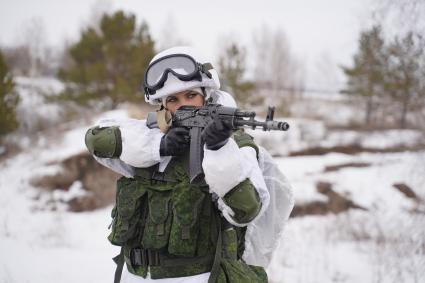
(149, 92)
(205, 69)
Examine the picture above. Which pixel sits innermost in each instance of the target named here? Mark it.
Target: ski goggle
(182, 66)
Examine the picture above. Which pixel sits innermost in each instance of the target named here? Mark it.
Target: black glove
(175, 142)
(217, 133)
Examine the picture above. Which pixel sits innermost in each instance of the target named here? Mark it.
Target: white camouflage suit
(224, 169)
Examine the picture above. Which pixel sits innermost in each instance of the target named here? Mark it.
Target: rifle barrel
(267, 125)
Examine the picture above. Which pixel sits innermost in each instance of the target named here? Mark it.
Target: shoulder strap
(119, 260)
(160, 119)
(215, 270)
(151, 120)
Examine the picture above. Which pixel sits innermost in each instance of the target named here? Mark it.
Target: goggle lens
(179, 65)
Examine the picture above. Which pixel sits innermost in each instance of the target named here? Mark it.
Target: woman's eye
(171, 99)
(191, 95)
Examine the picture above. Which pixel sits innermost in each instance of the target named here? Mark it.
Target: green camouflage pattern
(137, 270)
(234, 270)
(240, 235)
(178, 219)
(104, 142)
(187, 201)
(158, 272)
(158, 223)
(237, 271)
(230, 244)
(244, 201)
(126, 213)
(206, 244)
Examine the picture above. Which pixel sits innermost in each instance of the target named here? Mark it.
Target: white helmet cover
(174, 85)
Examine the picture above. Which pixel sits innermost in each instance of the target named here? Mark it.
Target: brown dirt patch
(406, 190)
(336, 203)
(332, 168)
(10, 150)
(96, 179)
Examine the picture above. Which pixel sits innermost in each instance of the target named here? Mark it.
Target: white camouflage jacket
(140, 148)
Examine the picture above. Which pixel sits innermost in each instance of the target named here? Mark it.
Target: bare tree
(18, 59)
(97, 10)
(232, 66)
(169, 34)
(402, 16)
(34, 37)
(276, 70)
(30, 56)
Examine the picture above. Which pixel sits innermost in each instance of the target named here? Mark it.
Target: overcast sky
(322, 33)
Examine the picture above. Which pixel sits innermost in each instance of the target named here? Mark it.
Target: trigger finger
(227, 124)
(218, 125)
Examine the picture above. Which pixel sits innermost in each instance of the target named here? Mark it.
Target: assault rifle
(197, 118)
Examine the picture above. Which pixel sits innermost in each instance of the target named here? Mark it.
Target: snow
(33, 112)
(333, 109)
(41, 241)
(74, 191)
(46, 244)
(352, 247)
(305, 133)
(312, 257)
(392, 138)
(44, 85)
(73, 246)
(378, 245)
(375, 139)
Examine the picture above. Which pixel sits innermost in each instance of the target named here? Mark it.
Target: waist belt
(154, 176)
(146, 257)
(167, 266)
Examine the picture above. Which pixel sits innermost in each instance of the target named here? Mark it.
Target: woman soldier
(172, 230)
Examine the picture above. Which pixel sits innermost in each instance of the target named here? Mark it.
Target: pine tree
(8, 100)
(405, 74)
(366, 77)
(109, 62)
(232, 67)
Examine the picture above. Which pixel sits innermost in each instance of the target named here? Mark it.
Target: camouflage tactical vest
(172, 228)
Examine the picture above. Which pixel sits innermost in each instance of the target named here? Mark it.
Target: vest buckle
(144, 257)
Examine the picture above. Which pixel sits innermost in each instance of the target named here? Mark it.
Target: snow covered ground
(41, 245)
(386, 243)
(42, 242)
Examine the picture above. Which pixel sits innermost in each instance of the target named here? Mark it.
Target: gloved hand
(217, 133)
(175, 142)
